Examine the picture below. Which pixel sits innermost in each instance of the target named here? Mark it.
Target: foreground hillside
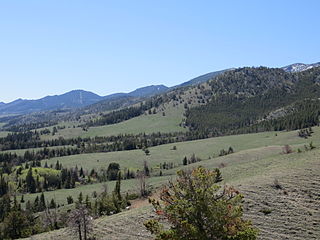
(281, 190)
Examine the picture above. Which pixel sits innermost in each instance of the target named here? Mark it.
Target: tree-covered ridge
(244, 97)
(252, 81)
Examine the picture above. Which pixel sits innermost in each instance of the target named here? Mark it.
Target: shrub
(286, 149)
(197, 208)
(276, 184)
(266, 211)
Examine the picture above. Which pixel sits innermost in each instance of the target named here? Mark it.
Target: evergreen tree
(117, 189)
(185, 161)
(80, 198)
(218, 175)
(3, 186)
(42, 203)
(30, 182)
(146, 169)
(112, 171)
(16, 225)
(52, 204)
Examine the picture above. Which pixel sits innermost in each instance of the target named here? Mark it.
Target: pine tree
(218, 175)
(146, 169)
(185, 161)
(42, 203)
(80, 198)
(88, 203)
(52, 204)
(117, 189)
(81, 172)
(36, 204)
(31, 183)
(3, 186)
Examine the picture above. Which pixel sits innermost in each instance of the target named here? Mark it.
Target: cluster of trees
(305, 133)
(17, 221)
(226, 152)
(127, 113)
(32, 177)
(166, 165)
(304, 114)
(47, 153)
(117, 116)
(192, 159)
(31, 139)
(80, 218)
(15, 125)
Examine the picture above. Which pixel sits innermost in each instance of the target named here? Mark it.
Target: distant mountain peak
(148, 91)
(299, 67)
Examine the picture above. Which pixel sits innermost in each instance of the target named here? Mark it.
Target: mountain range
(300, 67)
(72, 100)
(80, 98)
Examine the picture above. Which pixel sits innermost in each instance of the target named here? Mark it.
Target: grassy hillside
(259, 149)
(204, 149)
(147, 123)
(288, 212)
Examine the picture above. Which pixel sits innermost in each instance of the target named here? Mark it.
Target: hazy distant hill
(73, 99)
(148, 91)
(299, 67)
(203, 78)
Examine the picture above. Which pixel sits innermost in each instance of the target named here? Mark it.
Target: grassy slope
(249, 149)
(202, 148)
(294, 213)
(3, 133)
(144, 123)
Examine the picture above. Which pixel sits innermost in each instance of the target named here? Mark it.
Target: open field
(144, 123)
(155, 123)
(202, 148)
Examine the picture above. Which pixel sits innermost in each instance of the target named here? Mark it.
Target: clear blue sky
(51, 47)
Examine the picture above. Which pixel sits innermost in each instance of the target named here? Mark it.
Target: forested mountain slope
(246, 99)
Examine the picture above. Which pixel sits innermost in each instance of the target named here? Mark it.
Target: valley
(258, 126)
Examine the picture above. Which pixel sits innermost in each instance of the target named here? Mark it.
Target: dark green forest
(244, 100)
